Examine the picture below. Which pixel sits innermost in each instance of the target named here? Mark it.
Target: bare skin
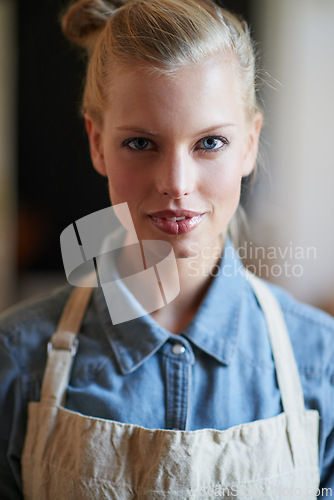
(179, 144)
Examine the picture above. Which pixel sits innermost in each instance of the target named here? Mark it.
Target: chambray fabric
(74, 456)
(133, 373)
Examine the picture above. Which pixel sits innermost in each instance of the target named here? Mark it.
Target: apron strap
(285, 364)
(64, 343)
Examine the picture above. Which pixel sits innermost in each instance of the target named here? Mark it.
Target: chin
(183, 255)
(186, 251)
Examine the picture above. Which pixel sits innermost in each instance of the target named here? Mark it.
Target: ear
(253, 136)
(95, 137)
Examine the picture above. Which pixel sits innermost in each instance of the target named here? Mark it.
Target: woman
(205, 397)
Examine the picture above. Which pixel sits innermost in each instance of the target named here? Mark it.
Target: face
(175, 149)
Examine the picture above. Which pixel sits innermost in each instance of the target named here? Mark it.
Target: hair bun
(84, 19)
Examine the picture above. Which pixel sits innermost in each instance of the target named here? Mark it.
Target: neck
(195, 276)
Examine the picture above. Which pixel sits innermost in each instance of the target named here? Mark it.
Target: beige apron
(68, 455)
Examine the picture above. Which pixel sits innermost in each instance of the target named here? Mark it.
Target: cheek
(122, 185)
(224, 184)
(224, 191)
(122, 190)
(118, 189)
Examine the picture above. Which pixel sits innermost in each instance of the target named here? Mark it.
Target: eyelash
(225, 142)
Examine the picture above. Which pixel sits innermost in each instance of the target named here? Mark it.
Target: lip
(191, 221)
(175, 213)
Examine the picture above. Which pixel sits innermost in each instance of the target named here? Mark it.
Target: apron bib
(68, 455)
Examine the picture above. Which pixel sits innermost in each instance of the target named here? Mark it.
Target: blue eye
(138, 144)
(212, 143)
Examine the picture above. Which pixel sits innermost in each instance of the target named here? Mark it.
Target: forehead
(196, 92)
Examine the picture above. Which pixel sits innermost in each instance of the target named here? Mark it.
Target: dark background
(56, 182)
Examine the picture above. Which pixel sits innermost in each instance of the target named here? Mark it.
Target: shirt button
(178, 349)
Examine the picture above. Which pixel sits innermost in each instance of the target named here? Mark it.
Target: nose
(176, 176)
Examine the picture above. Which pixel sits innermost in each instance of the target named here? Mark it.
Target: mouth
(176, 221)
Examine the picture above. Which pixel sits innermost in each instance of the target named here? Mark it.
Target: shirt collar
(213, 330)
(216, 324)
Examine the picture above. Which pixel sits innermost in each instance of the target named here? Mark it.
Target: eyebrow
(136, 129)
(140, 130)
(220, 125)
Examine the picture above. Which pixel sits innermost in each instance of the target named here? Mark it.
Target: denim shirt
(217, 374)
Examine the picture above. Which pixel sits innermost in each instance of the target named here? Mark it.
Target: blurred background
(47, 182)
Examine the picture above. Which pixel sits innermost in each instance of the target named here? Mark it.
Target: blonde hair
(160, 34)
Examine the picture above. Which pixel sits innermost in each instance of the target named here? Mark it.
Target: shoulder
(27, 327)
(312, 337)
(311, 331)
